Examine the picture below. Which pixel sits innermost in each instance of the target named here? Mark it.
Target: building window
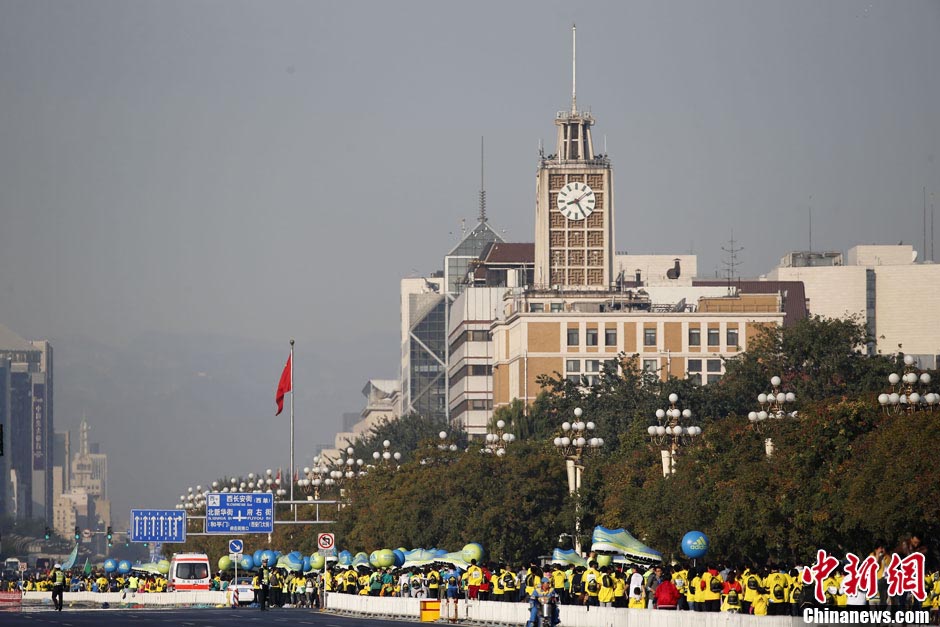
(590, 337)
(650, 365)
(714, 365)
(480, 370)
(536, 307)
(572, 365)
(592, 365)
(714, 378)
(478, 336)
(649, 337)
(573, 337)
(590, 380)
(732, 338)
(695, 377)
(695, 365)
(480, 404)
(610, 337)
(574, 378)
(695, 336)
(610, 366)
(714, 339)
(556, 307)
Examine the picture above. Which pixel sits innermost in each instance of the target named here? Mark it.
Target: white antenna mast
(574, 69)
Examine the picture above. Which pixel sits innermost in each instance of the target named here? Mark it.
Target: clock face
(576, 201)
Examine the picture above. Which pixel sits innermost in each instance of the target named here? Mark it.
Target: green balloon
(163, 566)
(317, 561)
(225, 562)
(384, 558)
(604, 560)
(472, 551)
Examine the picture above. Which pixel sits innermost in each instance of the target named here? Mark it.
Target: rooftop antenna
(731, 263)
(574, 69)
(925, 223)
(482, 189)
(810, 207)
(605, 144)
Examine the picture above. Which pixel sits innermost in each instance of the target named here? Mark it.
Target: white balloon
(673, 398)
(775, 381)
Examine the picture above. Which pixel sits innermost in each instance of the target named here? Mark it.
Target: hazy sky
(232, 174)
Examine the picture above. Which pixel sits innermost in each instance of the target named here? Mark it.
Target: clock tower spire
(574, 217)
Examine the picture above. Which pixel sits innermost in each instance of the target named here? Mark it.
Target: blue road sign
(158, 525)
(235, 546)
(234, 512)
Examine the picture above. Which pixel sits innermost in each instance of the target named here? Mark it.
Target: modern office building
(883, 285)
(27, 373)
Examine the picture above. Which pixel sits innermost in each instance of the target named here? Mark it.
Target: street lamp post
(773, 406)
(314, 478)
(386, 455)
(498, 441)
(670, 434)
(573, 445)
(908, 391)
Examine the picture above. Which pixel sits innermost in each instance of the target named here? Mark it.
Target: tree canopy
(842, 474)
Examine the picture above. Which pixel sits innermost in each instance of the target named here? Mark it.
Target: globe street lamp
(908, 392)
(773, 406)
(386, 455)
(670, 434)
(574, 442)
(498, 441)
(445, 444)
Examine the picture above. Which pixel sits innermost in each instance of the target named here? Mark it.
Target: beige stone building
(884, 285)
(548, 333)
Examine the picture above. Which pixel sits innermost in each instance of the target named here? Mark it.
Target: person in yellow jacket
(752, 584)
(697, 589)
(559, 580)
(433, 577)
(637, 599)
(777, 584)
(680, 579)
(620, 589)
(711, 585)
(496, 585)
(592, 583)
(508, 580)
(605, 595)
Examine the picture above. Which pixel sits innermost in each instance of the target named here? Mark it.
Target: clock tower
(574, 210)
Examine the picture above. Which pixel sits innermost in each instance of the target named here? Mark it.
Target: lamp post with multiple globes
(497, 441)
(773, 406)
(670, 434)
(574, 442)
(908, 392)
(386, 455)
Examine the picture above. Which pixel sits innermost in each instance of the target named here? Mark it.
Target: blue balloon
(306, 563)
(110, 565)
(124, 567)
(399, 557)
(695, 544)
(295, 555)
(344, 558)
(256, 558)
(247, 563)
(270, 556)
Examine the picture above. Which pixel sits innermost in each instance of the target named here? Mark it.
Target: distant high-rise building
(28, 384)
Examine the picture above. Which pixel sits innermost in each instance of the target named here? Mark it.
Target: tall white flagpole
(291, 478)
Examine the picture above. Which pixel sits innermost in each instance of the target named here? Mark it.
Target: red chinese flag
(283, 387)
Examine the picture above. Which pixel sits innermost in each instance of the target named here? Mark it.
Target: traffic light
(47, 533)
(109, 536)
(78, 533)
